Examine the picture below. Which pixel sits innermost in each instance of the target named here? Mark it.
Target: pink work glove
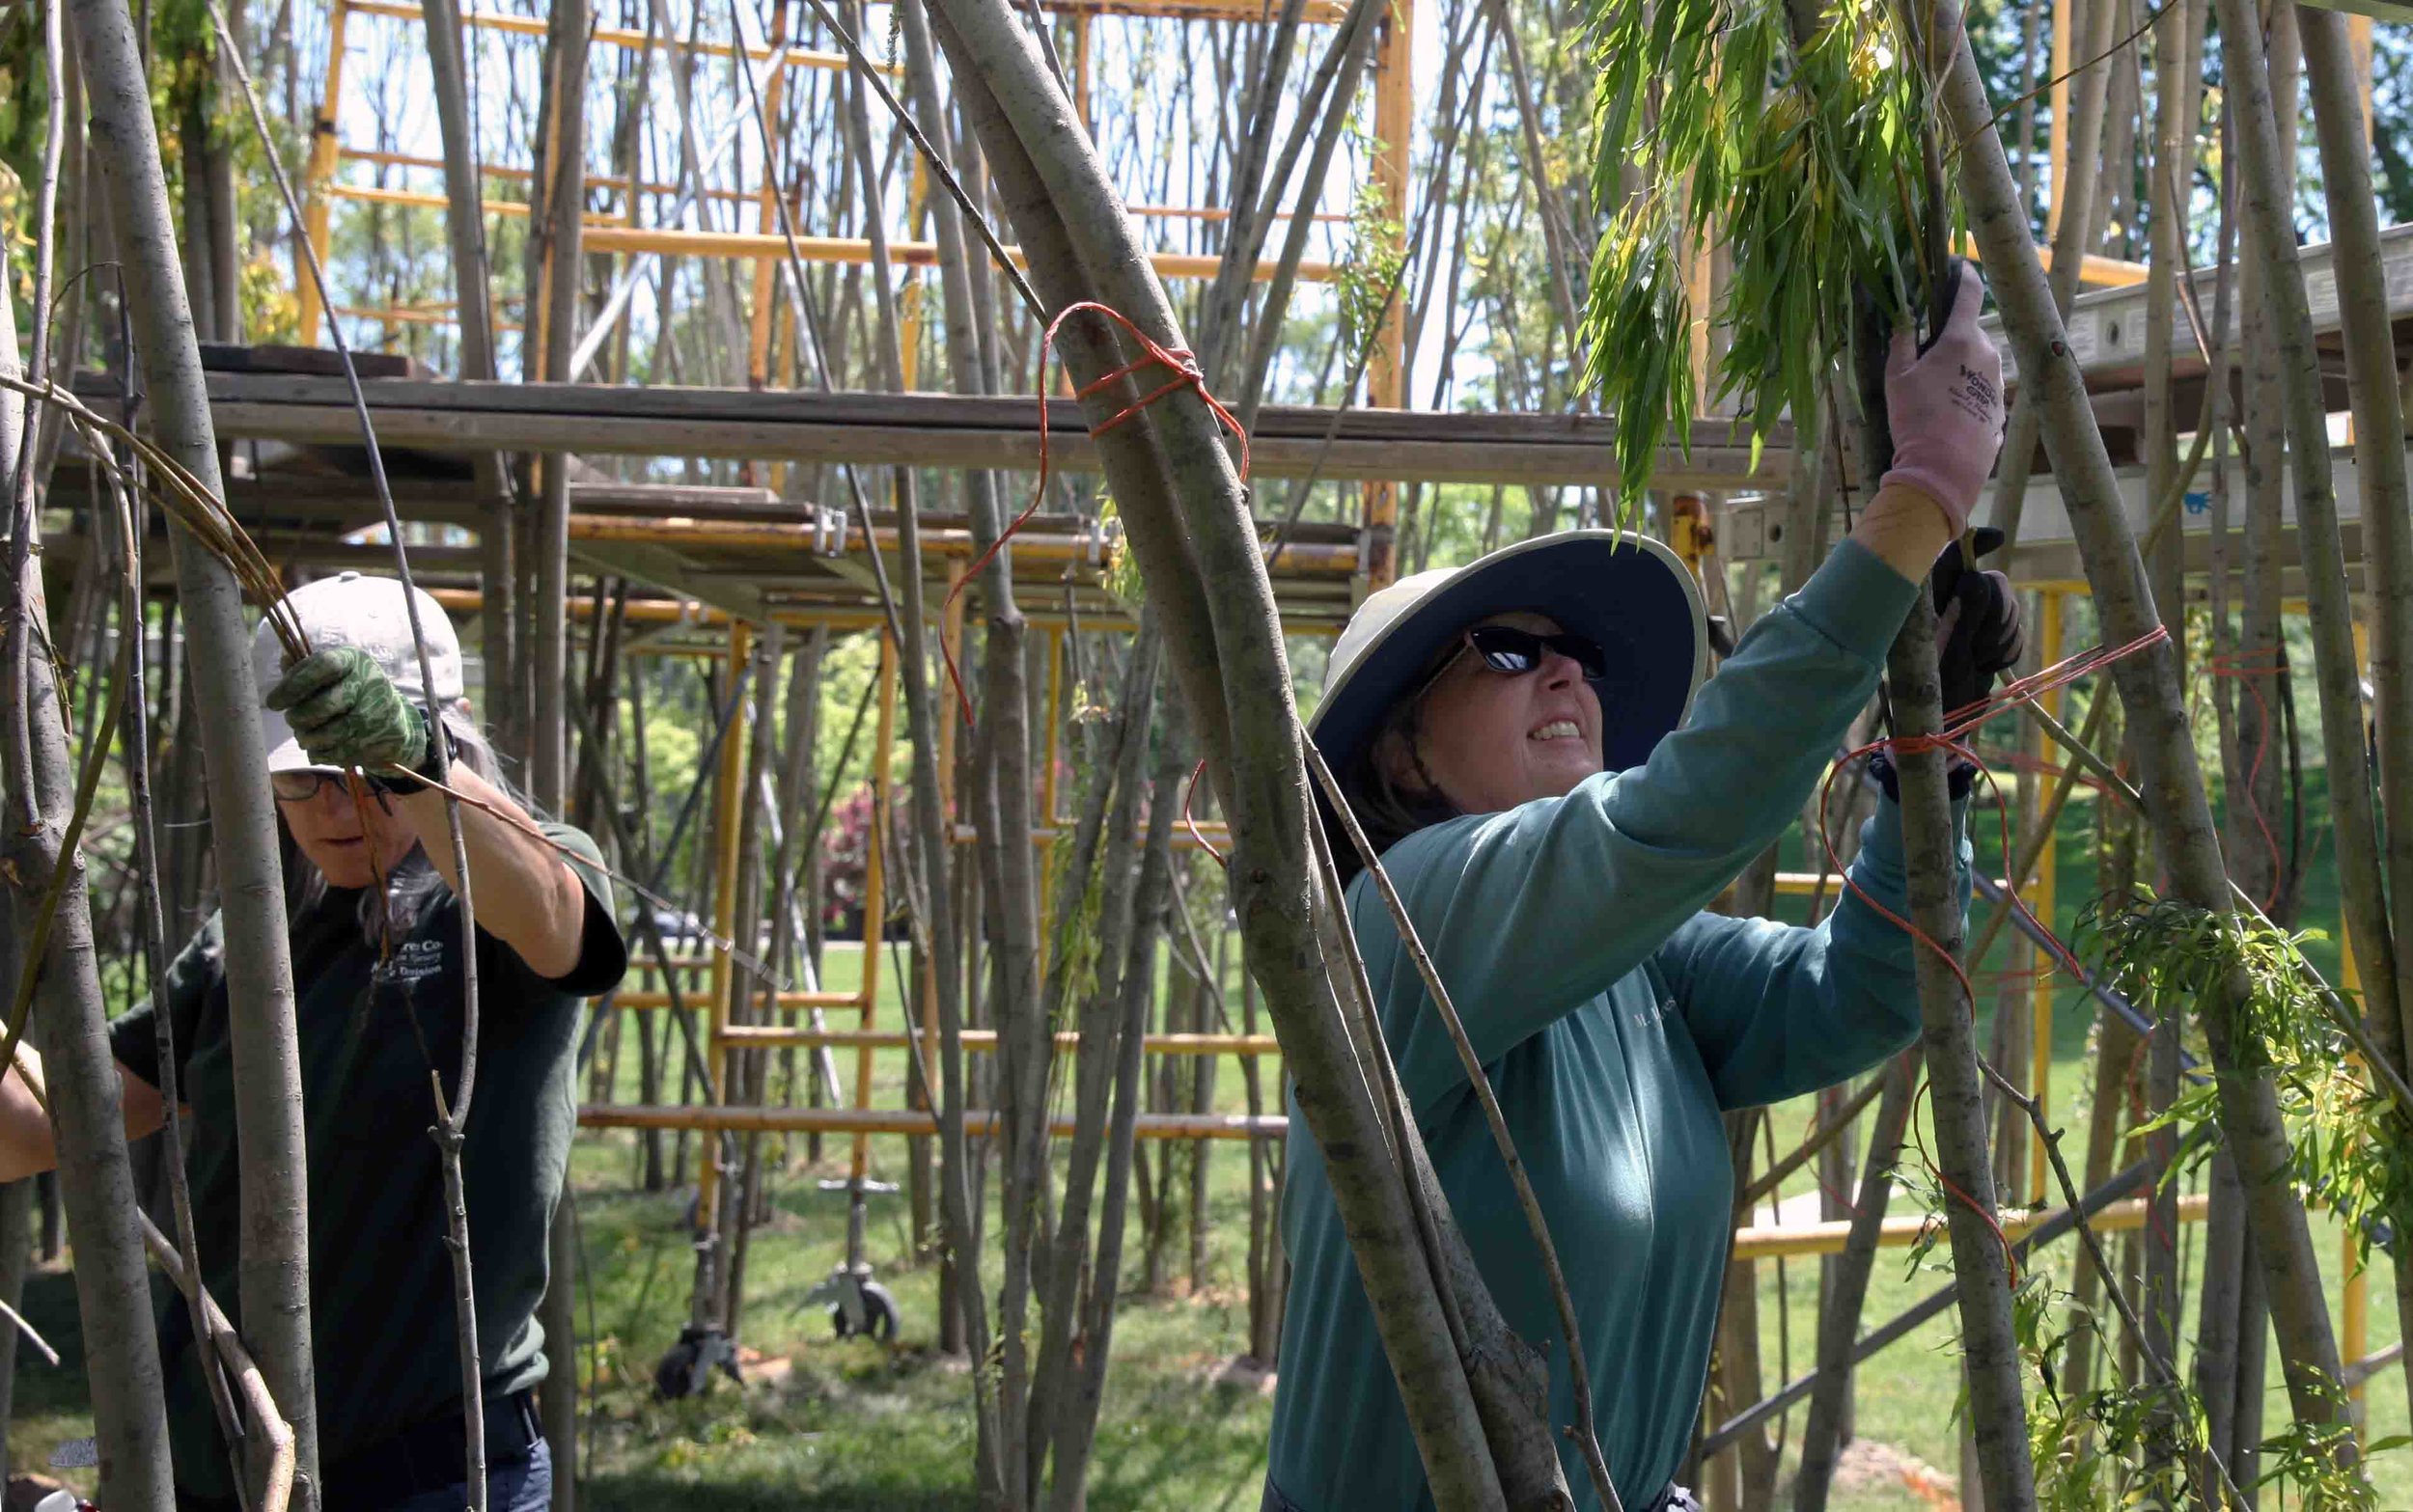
(1945, 405)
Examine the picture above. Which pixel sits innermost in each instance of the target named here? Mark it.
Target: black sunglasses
(1505, 649)
(1513, 652)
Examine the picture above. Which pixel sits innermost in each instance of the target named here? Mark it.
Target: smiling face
(1493, 740)
(330, 831)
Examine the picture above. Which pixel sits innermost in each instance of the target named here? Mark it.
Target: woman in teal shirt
(1509, 736)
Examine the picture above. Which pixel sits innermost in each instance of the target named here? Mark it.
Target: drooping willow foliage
(2350, 1145)
(1806, 155)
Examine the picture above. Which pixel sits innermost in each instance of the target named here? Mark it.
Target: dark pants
(1675, 1498)
(525, 1485)
(407, 1473)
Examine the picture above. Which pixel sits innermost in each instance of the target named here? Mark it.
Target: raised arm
(1776, 1009)
(1531, 913)
(346, 712)
(527, 895)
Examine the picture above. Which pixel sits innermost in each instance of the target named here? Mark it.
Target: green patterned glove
(346, 712)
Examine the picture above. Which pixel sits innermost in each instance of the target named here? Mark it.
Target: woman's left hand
(1981, 630)
(346, 712)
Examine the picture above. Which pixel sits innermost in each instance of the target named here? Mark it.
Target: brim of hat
(284, 752)
(1628, 593)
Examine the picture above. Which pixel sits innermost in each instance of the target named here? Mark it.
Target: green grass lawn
(853, 1424)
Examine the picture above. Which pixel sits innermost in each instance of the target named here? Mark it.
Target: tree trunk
(464, 225)
(2177, 110)
(2116, 1051)
(2271, 241)
(69, 1027)
(2074, 180)
(1113, 813)
(2372, 382)
(1078, 1423)
(273, 1297)
(553, 305)
(1188, 525)
(1265, 1264)
(2175, 101)
(2150, 689)
(16, 1248)
(745, 1073)
(2219, 1311)
(994, 1465)
(1823, 1436)
(1747, 1476)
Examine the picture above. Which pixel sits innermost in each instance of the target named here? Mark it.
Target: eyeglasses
(302, 787)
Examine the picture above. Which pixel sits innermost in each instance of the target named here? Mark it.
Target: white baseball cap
(370, 614)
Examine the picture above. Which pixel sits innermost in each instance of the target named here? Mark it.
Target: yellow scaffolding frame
(603, 233)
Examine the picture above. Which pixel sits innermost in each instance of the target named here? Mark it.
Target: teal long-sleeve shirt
(1616, 1021)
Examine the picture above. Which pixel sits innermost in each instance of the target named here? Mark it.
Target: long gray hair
(414, 887)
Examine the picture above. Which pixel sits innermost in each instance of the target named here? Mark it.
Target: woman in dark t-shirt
(380, 1004)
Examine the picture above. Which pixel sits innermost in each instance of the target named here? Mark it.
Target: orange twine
(1959, 725)
(1179, 361)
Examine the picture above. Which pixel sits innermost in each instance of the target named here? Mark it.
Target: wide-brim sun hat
(370, 614)
(1624, 589)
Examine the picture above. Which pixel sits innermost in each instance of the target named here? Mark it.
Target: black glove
(1982, 631)
(1959, 778)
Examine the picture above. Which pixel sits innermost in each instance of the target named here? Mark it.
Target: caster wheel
(675, 1376)
(879, 1315)
(687, 1368)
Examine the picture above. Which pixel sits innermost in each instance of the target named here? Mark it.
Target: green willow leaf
(1795, 151)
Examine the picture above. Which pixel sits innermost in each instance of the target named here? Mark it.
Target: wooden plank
(902, 1121)
(920, 411)
(2106, 328)
(952, 431)
(2376, 9)
(321, 361)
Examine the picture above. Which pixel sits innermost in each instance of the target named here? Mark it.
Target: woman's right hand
(1945, 405)
(1981, 630)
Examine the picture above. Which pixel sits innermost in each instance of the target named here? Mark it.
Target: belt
(1675, 1498)
(426, 1456)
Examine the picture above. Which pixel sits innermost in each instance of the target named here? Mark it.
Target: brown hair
(1387, 809)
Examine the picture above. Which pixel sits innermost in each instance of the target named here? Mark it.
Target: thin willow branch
(440, 748)
(17, 1319)
(278, 1489)
(2166, 1376)
(184, 497)
(152, 916)
(2040, 832)
(933, 159)
(2347, 1021)
(802, 293)
(1828, 1131)
(87, 788)
(2083, 753)
(1578, 1370)
(19, 650)
(2151, 16)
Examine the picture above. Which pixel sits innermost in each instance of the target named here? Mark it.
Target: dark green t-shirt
(381, 1278)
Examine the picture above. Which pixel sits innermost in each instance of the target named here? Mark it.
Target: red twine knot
(1179, 361)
